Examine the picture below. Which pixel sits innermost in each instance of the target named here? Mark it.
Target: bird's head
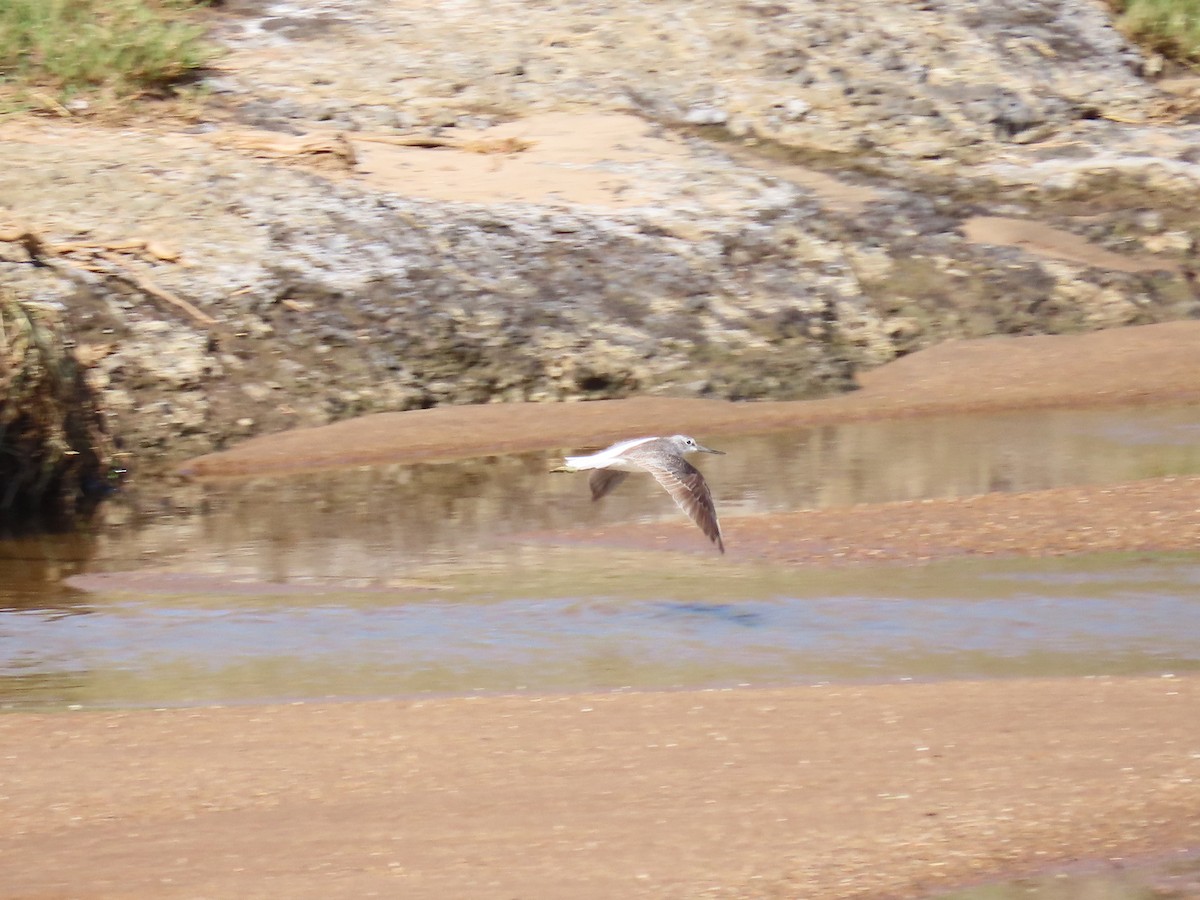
(690, 445)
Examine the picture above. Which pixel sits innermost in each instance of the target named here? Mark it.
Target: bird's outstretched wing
(687, 486)
(601, 481)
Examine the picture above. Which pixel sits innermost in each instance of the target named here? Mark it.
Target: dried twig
(278, 146)
(149, 287)
(341, 145)
(113, 256)
(1165, 111)
(428, 142)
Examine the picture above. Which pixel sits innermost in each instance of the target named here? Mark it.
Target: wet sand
(865, 791)
(1161, 514)
(811, 792)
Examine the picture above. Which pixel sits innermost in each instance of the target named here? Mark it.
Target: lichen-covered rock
(411, 204)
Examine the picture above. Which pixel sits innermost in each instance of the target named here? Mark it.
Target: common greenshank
(663, 458)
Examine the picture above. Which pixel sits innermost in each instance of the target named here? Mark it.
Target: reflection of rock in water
(34, 570)
(377, 522)
(54, 449)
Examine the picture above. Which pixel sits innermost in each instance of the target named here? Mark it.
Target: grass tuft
(1170, 27)
(119, 48)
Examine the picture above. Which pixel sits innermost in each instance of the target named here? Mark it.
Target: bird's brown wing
(687, 486)
(601, 481)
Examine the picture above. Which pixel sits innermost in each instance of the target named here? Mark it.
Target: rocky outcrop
(404, 205)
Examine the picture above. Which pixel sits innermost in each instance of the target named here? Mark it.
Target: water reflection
(397, 579)
(376, 523)
(34, 569)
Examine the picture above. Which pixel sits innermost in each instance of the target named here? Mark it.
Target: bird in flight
(663, 458)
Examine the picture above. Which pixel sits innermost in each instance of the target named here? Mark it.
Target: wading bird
(663, 458)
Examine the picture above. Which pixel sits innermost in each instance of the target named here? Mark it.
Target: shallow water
(1174, 876)
(162, 642)
(409, 579)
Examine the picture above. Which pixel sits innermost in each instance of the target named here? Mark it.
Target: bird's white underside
(608, 458)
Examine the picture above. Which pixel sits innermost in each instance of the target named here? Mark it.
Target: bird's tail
(576, 464)
(580, 463)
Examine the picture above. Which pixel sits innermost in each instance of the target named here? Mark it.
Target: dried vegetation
(55, 454)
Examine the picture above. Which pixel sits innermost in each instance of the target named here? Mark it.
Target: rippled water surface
(408, 579)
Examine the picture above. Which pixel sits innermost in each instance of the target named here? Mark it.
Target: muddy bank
(1121, 366)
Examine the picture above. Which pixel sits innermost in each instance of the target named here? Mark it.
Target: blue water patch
(1114, 617)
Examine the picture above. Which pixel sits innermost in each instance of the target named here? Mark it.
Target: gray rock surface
(700, 199)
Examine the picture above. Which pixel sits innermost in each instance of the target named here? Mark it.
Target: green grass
(1172, 27)
(118, 48)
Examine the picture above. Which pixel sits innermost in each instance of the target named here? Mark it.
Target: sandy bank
(830, 792)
